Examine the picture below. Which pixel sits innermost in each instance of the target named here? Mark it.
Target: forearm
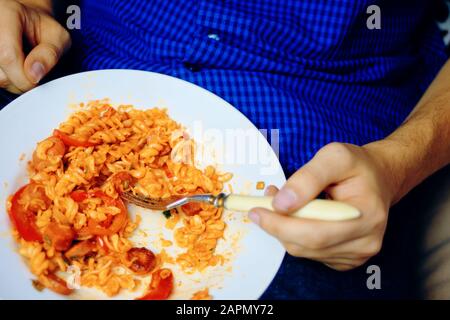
(421, 145)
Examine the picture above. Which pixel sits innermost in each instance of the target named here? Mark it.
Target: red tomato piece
(72, 142)
(79, 195)
(24, 220)
(99, 229)
(161, 285)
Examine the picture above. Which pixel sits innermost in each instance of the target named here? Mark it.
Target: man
(355, 116)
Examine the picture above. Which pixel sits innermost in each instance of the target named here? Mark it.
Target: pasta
(71, 217)
(202, 295)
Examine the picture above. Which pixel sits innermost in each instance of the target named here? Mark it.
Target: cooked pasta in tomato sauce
(70, 214)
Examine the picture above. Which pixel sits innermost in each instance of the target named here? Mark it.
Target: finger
(312, 234)
(339, 260)
(11, 54)
(340, 266)
(360, 248)
(51, 45)
(7, 85)
(4, 82)
(332, 164)
(271, 191)
(13, 89)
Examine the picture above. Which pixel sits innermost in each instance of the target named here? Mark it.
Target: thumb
(331, 164)
(54, 41)
(40, 61)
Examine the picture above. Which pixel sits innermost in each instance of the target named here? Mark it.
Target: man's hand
(49, 40)
(371, 178)
(352, 174)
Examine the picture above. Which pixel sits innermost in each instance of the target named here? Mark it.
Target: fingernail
(252, 215)
(285, 199)
(37, 71)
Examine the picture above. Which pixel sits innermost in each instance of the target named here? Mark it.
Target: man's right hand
(47, 38)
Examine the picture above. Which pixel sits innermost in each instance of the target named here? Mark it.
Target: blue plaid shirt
(310, 68)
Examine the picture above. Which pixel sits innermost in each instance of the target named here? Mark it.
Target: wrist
(391, 161)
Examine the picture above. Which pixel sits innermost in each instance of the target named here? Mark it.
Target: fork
(318, 209)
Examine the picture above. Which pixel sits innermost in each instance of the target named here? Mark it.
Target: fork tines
(141, 201)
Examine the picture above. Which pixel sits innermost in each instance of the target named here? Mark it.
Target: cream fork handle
(319, 209)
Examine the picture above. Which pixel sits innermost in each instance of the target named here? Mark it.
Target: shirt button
(192, 66)
(214, 36)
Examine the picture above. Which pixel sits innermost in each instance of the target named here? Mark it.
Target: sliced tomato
(119, 222)
(59, 236)
(72, 142)
(79, 195)
(191, 208)
(98, 228)
(24, 220)
(56, 284)
(34, 191)
(161, 285)
(107, 222)
(106, 199)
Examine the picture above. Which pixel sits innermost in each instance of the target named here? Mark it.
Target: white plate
(254, 256)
